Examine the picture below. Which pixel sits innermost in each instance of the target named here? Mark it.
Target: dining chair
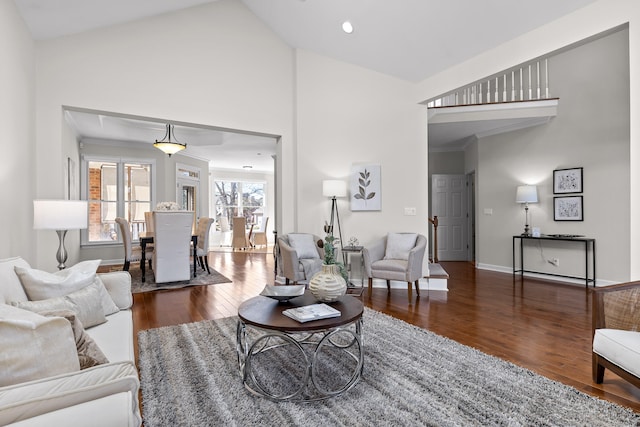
(202, 248)
(172, 245)
(148, 219)
(260, 236)
(239, 240)
(225, 230)
(131, 253)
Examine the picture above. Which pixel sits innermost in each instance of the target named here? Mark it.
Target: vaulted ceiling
(408, 39)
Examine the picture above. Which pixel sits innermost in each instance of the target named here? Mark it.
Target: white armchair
(172, 245)
(397, 256)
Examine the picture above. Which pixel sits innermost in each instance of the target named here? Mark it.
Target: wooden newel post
(434, 221)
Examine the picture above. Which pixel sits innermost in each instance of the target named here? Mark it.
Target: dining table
(146, 238)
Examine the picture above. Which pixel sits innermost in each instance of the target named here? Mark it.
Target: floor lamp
(526, 194)
(60, 215)
(334, 188)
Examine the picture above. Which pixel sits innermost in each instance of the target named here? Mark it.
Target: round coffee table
(283, 359)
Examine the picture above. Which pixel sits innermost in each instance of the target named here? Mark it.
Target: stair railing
(527, 82)
(434, 221)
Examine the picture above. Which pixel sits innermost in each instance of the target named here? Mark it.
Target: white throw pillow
(42, 285)
(34, 346)
(304, 245)
(86, 303)
(399, 245)
(10, 287)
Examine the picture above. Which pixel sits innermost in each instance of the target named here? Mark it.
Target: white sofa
(102, 395)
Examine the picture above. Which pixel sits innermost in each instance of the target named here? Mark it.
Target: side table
(352, 288)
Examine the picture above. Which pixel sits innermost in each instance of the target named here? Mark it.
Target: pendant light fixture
(167, 145)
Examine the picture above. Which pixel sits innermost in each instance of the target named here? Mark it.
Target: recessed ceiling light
(347, 27)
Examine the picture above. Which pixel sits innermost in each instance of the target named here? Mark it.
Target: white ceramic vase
(328, 284)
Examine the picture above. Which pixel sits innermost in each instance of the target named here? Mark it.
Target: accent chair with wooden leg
(616, 332)
(298, 257)
(397, 256)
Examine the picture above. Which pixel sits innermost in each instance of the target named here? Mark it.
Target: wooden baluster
(434, 221)
(496, 99)
(513, 85)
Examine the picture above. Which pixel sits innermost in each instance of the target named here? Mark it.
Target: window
(240, 198)
(116, 188)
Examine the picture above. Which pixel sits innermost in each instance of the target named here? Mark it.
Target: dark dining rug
(412, 377)
(201, 279)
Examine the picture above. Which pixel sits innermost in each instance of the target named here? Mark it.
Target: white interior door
(449, 204)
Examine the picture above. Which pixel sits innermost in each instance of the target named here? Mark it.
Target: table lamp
(526, 194)
(60, 215)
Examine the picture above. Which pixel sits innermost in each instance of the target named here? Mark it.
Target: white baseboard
(503, 269)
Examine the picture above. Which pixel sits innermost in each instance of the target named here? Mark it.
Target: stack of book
(311, 312)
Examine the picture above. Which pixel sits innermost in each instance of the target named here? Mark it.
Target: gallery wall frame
(568, 208)
(365, 187)
(567, 181)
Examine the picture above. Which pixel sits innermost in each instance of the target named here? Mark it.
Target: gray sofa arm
(288, 260)
(373, 253)
(416, 255)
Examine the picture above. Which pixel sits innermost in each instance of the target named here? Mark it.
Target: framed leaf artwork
(365, 188)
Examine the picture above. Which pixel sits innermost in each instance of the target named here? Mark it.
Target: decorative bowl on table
(283, 293)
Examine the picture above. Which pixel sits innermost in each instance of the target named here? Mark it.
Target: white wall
(590, 131)
(215, 64)
(598, 17)
(348, 115)
(18, 169)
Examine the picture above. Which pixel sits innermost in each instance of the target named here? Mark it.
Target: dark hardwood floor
(540, 325)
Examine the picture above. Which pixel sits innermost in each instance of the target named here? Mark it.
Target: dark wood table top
(266, 313)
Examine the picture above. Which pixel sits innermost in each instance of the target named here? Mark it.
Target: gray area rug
(412, 377)
(202, 278)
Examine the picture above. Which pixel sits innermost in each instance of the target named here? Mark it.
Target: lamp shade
(166, 145)
(59, 214)
(334, 188)
(527, 194)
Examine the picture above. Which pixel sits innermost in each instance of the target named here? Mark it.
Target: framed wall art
(567, 181)
(365, 188)
(567, 208)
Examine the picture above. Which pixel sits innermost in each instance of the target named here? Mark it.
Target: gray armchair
(297, 268)
(397, 256)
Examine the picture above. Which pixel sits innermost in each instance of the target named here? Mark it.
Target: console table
(587, 244)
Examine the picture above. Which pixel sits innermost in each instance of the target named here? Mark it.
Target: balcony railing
(528, 82)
